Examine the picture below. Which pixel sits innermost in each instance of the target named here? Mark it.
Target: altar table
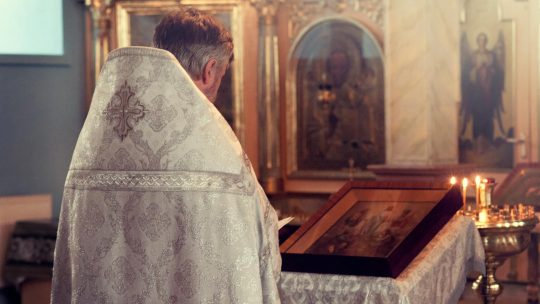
(436, 275)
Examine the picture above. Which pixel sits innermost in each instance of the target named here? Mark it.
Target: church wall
(41, 113)
(444, 93)
(422, 64)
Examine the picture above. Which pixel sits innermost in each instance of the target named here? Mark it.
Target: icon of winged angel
(482, 85)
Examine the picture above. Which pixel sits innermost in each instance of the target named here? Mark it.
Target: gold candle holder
(489, 186)
(477, 182)
(482, 194)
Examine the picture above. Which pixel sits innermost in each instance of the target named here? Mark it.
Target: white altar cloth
(436, 275)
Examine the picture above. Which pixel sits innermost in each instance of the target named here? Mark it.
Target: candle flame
(453, 180)
(477, 180)
(465, 182)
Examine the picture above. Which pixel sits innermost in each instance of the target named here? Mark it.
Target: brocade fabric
(436, 276)
(161, 204)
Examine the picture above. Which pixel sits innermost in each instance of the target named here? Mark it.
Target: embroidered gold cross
(125, 110)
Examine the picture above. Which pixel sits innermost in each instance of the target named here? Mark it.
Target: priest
(161, 204)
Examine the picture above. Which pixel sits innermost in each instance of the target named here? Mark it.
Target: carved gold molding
(267, 9)
(100, 13)
(268, 91)
(304, 12)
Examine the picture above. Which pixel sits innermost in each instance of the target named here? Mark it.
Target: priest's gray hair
(194, 38)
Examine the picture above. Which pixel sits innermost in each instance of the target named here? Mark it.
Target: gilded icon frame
(292, 169)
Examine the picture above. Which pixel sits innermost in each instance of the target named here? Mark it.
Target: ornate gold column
(98, 44)
(268, 90)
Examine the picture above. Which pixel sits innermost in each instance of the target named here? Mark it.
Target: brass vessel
(501, 239)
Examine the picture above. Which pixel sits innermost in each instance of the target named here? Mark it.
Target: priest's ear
(210, 79)
(210, 73)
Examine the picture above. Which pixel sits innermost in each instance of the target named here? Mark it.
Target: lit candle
(453, 180)
(483, 216)
(464, 184)
(477, 181)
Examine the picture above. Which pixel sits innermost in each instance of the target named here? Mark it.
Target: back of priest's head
(194, 38)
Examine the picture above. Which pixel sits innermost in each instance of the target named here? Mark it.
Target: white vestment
(161, 204)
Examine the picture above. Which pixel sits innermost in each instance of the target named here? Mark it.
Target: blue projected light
(31, 27)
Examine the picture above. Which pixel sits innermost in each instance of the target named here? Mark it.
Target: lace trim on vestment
(160, 181)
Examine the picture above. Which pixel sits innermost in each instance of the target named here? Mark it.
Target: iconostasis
(321, 92)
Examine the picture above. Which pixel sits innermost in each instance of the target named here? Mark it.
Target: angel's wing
(466, 66)
(498, 81)
(499, 51)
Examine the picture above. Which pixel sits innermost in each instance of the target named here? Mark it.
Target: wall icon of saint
(340, 98)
